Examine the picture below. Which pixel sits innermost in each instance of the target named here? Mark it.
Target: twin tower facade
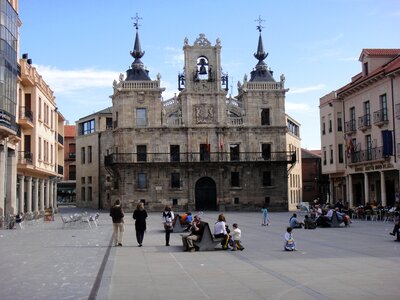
(202, 149)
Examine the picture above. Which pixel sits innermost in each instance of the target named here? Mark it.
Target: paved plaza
(47, 261)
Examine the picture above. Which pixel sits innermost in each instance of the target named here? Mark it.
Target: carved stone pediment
(202, 40)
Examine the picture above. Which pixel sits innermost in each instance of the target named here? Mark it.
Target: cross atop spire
(259, 20)
(136, 18)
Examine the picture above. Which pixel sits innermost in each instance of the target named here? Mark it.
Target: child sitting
(290, 244)
(237, 235)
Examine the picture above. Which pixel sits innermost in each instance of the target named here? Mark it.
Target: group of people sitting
(319, 218)
(229, 240)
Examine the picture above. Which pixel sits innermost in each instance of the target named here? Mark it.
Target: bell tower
(203, 85)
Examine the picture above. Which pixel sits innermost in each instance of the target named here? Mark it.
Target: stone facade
(200, 150)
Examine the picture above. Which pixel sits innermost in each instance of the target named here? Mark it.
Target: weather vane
(136, 24)
(259, 20)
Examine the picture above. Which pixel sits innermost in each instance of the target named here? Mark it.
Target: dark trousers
(167, 236)
(139, 236)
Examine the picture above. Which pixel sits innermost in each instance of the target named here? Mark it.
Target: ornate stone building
(200, 150)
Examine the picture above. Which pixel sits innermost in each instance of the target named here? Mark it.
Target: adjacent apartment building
(31, 128)
(360, 133)
(199, 150)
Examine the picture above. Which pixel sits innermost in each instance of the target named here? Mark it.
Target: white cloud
(298, 107)
(174, 57)
(72, 81)
(307, 89)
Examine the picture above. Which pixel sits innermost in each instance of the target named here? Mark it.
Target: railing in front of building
(367, 155)
(60, 139)
(350, 126)
(25, 157)
(138, 85)
(236, 120)
(71, 155)
(364, 122)
(60, 170)
(25, 113)
(397, 110)
(263, 85)
(9, 121)
(198, 157)
(381, 117)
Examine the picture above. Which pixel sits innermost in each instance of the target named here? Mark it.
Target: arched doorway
(205, 194)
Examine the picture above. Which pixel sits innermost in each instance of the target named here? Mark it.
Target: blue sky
(80, 47)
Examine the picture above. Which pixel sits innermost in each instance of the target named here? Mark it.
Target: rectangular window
(83, 194)
(324, 156)
(87, 127)
(235, 182)
(266, 151)
(40, 109)
(40, 149)
(204, 152)
(339, 121)
(142, 181)
(174, 201)
(340, 152)
(174, 152)
(383, 104)
(109, 125)
(89, 179)
(83, 158)
(331, 154)
(234, 150)
(236, 200)
(89, 154)
(265, 119)
(141, 116)
(83, 180)
(89, 193)
(368, 142)
(141, 152)
(72, 172)
(330, 123)
(323, 125)
(266, 179)
(267, 200)
(175, 180)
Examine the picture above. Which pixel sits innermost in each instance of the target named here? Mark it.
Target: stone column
(21, 200)
(350, 190)
(55, 207)
(383, 188)
(11, 184)
(29, 194)
(47, 195)
(366, 188)
(50, 183)
(41, 194)
(35, 198)
(2, 180)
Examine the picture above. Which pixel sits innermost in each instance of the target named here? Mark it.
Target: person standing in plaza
(265, 217)
(140, 216)
(117, 215)
(168, 218)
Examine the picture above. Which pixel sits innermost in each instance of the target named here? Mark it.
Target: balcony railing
(71, 155)
(367, 155)
(60, 139)
(25, 113)
(364, 122)
(350, 126)
(60, 170)
(381, 117)
(197, 157)
(25, 157)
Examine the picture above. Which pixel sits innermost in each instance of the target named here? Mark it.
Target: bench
(207, 241)
(66, 220)
(177, 226)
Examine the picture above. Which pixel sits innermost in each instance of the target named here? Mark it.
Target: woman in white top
(220, 231)
(168, 218)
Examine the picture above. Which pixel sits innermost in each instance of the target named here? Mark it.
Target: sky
(80, 46)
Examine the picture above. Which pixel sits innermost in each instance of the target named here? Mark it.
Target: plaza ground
(46, 261)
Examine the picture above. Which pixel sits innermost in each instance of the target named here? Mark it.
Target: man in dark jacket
(117, 215)
(197, 230)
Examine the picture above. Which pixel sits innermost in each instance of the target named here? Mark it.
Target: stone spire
(137, 71)
(261, 72)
